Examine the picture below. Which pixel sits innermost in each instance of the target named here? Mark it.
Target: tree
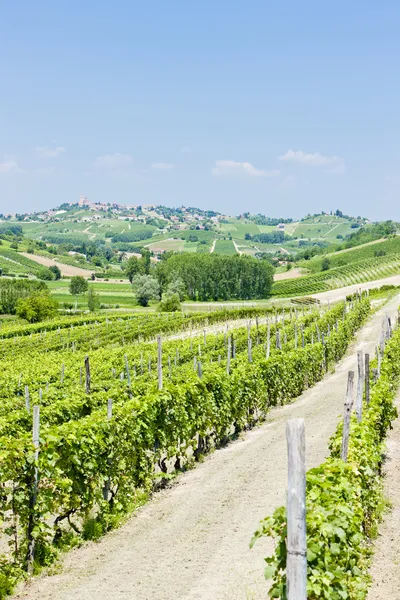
(170, 302)
(133, 267)
(177, 286)
(78, 285)
(45, 274)
(38, 307)
(146, 288)
(93, 299)
(56, 271)
(325, 264)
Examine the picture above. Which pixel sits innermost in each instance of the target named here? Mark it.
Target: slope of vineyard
(91, 465)
(14, 262)
(358, 272)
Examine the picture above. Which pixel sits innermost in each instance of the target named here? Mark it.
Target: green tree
(45, 274)
(133, 267)
(170, 302)
(77, 286)
(93, 299)
(146, 288)
(325, 264)
(38, 307)
(56, 271)
(177, 286)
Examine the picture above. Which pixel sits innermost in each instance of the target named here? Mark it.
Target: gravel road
(191, 541)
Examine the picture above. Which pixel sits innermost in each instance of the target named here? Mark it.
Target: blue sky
(280, 107)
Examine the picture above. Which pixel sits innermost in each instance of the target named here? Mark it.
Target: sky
(284, 107)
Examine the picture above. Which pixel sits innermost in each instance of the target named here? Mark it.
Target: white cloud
(9, 166)
(186, 149)
(113, 161)
(316, 159)
(231, 167)
(162, 166)
(46, 152)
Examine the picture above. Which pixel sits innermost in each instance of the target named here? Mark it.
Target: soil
(385, 569)
(191, 541)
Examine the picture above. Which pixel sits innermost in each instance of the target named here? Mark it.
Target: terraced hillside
(358, 272)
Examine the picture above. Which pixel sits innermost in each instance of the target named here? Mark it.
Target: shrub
(170, 303)
(37, 307)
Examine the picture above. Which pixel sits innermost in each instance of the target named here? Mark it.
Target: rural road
(340, 293)
(191, 541)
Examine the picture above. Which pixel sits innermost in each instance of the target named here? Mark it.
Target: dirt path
(385, 566)
(237, 247)
(291, 274)
(191, 542)
(66, 270)
(340, 293)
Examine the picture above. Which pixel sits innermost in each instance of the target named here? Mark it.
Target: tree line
(217, 277)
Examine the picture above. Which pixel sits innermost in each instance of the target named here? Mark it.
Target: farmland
(358, 272)
(242, 368)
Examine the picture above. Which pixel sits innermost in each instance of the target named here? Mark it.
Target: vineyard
(357, 272)
(119, 412)
(343, 496)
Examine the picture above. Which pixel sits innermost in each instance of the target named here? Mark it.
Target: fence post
(296, 560)
(228, 358)
(348, 405)
(268, 339)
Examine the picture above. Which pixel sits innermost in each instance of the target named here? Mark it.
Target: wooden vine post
(296, 560)
(87, 378)
(159, 363)
(228, 358)
(360, 385)
(348, 405)
(367, 380)
(30, 557)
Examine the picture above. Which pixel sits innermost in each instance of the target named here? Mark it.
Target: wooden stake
(31, 540)
(27, 399)
(296, 560)
(360, 384)
(367, 380)
(128, 374)
(348, 405)
(159, 363)
(199, 370)
(249, 352)
(87, 379)
(228, 357)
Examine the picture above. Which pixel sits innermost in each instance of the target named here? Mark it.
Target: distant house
(281, 227)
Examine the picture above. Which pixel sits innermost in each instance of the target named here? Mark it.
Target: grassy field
(325, 227)
(109, 293)
(225, 247)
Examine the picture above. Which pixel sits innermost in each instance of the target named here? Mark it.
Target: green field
(339, 259)
(109, 293)
(369, 269)
(225, 247)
